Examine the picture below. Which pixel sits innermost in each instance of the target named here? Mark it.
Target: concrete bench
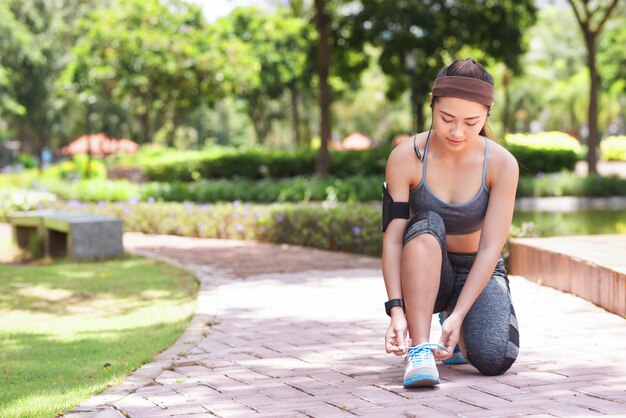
(28, 226)
(75, 235)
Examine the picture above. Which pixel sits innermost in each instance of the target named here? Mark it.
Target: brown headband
(467, 88)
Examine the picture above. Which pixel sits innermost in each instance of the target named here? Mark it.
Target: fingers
(395, 342)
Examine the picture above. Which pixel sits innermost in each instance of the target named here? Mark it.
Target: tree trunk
(322, 22)
(506, 108)
(295, 115)
(593, 140)
(419, 114)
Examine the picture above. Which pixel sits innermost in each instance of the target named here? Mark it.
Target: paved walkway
(284, 331)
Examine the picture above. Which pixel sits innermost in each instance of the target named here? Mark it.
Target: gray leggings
(490, 330)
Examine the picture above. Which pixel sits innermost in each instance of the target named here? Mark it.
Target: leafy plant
(613, 148)
(545, 152)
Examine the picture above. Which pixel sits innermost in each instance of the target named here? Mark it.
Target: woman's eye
(446, 120)
(472, 124)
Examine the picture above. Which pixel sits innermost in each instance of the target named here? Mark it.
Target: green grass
(70, 330)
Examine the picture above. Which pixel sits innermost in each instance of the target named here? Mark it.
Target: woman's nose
(457, 131)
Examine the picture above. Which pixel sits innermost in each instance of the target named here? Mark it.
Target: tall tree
(158, 60)
(591, 21)
(322, 23)
(278, 44)
(432, 33)
(30, 67)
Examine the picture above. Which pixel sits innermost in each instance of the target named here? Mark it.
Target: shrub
(613, 148)
(545, 152)
(79, 167)
(27, 161)
(342, 227)
(565, 184)
(258, 164)
(12, 200)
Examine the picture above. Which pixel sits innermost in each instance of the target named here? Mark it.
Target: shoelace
(422, 353)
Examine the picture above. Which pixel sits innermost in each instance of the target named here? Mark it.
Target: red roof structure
(99, 145)
(357, 141)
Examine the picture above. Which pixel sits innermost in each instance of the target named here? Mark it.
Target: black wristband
(392, 304)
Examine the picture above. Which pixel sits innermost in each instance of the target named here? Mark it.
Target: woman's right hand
(396, 340)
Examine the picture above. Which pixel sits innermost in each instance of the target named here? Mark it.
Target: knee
(424, 224)
(490, 365)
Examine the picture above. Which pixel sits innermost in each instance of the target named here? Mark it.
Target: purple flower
(201, 227)
(257, 214)
(126, 211)
(100, 203)
(540, 175)
(236, 203)
(356, 230)
(132, 201)
(151, 199)
(280, 218)
(239, 228)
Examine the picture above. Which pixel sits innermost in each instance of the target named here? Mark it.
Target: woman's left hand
(450, 334)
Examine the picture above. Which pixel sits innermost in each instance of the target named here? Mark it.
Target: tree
(32, 33)
(432, 33)
(157, 60)
(322, 24)
(591, 21)
(278, 44)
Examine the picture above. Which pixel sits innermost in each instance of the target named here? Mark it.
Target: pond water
(582, 222)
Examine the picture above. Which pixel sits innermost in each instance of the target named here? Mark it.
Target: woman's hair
(472, 69)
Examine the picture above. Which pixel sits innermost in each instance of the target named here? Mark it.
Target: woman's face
(458, 121)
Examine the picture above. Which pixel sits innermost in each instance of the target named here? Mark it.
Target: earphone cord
(420, 157)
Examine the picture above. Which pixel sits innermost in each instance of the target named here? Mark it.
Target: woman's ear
(430, 98)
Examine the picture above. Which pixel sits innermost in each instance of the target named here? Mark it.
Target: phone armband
(391, 209)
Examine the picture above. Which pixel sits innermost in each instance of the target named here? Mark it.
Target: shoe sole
(421, 380)
(453, 361)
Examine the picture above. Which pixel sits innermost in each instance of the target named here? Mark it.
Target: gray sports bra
(459, 218)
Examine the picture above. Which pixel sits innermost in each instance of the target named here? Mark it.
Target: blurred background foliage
(160, 72)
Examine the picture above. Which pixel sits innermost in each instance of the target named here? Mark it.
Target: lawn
(70, 330)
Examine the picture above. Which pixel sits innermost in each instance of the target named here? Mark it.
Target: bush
(27, 161)
(257, 164)
(613, 148)
(546, 152)
(345, 227)
(564, 184)
(79, 167)
(13, 200)
(341, 227)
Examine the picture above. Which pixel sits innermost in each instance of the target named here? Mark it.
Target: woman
(447, 208)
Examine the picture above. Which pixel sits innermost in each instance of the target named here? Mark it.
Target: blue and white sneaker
(457, 355)
(420, 369)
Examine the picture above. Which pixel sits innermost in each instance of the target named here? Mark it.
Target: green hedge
(613, 148)
(344, 227)
(545, 152)
(259, 164)
(565, 184)
(299, 189)
(341, 227)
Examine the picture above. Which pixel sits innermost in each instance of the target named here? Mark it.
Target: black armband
(392, 209)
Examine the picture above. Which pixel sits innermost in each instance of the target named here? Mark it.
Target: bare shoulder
(501, 158)
(502, 164)
(404, 153)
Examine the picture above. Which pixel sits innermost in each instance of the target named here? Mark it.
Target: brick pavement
(304, 338)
